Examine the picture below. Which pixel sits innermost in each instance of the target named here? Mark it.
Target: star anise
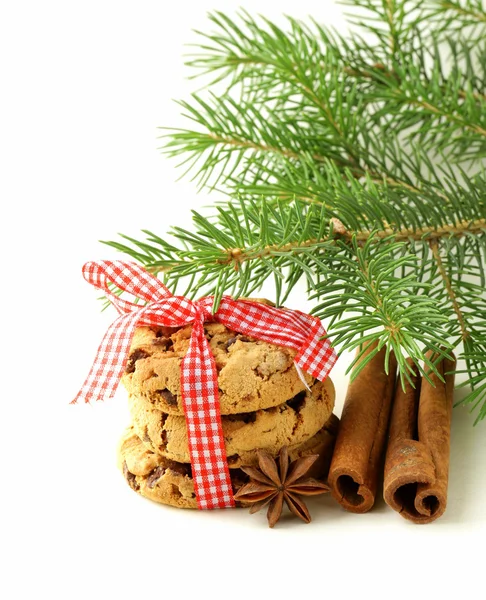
(271, 484)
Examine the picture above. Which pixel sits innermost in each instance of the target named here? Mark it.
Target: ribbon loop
(128, 277)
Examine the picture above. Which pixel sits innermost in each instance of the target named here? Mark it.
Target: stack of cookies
(264, 405)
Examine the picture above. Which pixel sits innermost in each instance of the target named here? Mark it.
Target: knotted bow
(199, 379)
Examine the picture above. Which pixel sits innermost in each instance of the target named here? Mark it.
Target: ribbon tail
(109, 364)
(317, 356)
(199, 383)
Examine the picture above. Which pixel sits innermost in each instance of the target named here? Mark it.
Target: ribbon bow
(199, 379)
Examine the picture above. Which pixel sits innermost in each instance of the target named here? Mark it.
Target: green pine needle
(353, 163)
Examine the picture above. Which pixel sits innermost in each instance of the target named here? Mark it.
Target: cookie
(252, 374)
(169, 482)
(288, 424)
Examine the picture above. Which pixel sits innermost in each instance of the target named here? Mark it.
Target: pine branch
(354, 163)
(254, 241)
(406, 81)
(249, 241)
(396, 310)
(472, 10)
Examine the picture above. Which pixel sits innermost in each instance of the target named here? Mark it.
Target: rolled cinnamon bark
(320, 469)
(417, 458)
(360, 444)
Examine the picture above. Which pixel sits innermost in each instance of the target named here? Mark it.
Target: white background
(84, 86)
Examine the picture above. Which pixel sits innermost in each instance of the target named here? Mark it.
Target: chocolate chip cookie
(252, 374)
(169, 482)
(288, 424)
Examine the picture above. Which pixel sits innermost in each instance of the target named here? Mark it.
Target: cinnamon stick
(417, 459)
(361, 440)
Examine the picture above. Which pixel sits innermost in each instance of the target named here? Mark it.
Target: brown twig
(430, 234)
(356, 171)
(434, 245)
(480, 16)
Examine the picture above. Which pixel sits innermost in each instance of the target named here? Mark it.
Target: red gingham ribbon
(199, 380)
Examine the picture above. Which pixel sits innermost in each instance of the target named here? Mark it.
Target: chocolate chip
(168, 396)
(163, 432)
(233, 459)
(181, 468)
(154, 476)
(244, 417)
(238, 479)
(232, 340)
(249, 417)
(165, 332)
(297, 402)
(163, 439)
(130, 477)
(132, 359)
(163, 343)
